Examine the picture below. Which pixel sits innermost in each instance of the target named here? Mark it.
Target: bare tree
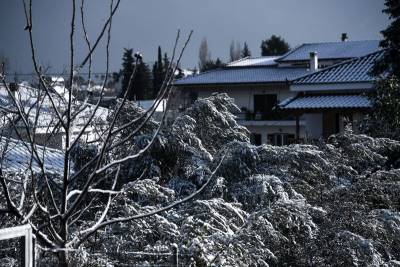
(54, 204)
(204, 54)
(235, 51)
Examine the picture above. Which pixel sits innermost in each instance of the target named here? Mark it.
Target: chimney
(344, 37)
(313, 61)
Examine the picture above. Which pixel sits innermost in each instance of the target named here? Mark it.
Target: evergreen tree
(385, 118)
(386, 98)
(390, 63)
(127, 69)
(211, 65)
(219, 63)
(158, 73)
(274, 46)
(246, 51)
(141, 87)
(166, 64)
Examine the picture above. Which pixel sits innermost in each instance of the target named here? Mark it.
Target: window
(263, 105)
(256, 139)
(281, 139)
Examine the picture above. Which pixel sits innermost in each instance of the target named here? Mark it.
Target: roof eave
(230, 83)
(359, 86)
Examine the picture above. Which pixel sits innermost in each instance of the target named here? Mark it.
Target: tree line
(148, 81)
(273, 46)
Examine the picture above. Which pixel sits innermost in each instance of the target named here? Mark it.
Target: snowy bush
(335, 203)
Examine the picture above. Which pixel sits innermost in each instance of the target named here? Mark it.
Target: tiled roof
(259, 61)
(327, 102)
(332, 50)
(243, 75)
(355, 70)
(15, 157)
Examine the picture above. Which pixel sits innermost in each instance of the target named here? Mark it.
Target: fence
(168, 258)
(25, 232)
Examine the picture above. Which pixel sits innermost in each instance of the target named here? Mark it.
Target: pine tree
(141, 86)
(385, 118)
(166, 64)
(390, 63)
(158, 73)
(127, 69)
(211, 65)
(274, 46)
(246, 51)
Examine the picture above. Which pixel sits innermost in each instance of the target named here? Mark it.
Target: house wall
(313, 127)
(243, 95)
(314, 122)
(264, 131)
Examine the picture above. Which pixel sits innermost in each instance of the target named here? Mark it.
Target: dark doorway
(263, 104)
(331, 123)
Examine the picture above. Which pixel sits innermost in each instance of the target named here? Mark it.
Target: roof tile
(327, 101)
(355, 70)
(332, 50)
(243, 75)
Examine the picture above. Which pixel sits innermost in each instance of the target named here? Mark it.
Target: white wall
(314, 125)
(244, 94)
(265, 130)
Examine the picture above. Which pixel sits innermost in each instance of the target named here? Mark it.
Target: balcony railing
(274, 115)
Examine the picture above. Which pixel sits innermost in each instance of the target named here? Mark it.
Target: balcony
(272, 118)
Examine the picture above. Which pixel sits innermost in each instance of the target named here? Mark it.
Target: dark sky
(145, 24)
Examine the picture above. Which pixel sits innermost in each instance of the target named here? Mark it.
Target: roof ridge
(336, 42)
(289, 52)
(294, 50)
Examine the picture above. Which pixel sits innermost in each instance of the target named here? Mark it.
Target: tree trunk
(63, 258)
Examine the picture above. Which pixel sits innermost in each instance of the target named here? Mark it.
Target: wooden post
(297, 127)
(175, 255)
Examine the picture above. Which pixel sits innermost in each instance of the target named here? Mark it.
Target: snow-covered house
(330, 98)
(258, 85)
(47, 127)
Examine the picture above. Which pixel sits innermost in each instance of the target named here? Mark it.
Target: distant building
(48, 131)
(259, 85)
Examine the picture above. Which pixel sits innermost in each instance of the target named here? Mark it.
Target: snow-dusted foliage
(331, 204)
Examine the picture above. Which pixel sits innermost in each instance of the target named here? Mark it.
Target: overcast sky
(145, 24)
